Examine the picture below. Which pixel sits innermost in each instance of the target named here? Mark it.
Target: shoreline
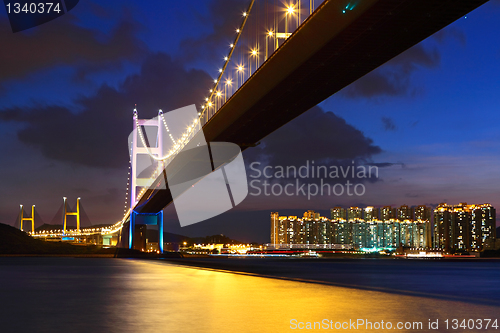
(294, 272)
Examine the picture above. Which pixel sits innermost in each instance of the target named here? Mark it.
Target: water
(468, 280)
(121, 295)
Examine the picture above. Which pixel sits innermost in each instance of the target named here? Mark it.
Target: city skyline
(459, 227)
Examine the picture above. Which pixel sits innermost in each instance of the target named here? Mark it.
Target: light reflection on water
(114, 295)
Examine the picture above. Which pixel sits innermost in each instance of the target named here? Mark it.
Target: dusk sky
(428, 118)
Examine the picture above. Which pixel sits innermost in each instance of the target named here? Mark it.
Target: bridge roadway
(329, 51)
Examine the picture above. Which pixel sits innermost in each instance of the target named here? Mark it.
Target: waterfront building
(459, 227)
(387, 213)
(464, 227)
(338, 213)
(404, 213)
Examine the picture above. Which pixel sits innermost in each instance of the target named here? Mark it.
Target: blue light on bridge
(350, 6)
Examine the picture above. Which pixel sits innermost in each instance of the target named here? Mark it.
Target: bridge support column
(27, 219)
(66, 213)
(146, 219)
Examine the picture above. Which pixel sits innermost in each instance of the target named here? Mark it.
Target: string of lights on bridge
(292, 14)
(163, 161)
(285, 17)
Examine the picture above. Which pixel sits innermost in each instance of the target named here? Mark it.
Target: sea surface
(54, 294)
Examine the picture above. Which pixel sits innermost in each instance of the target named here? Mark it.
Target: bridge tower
(139, 149)
(28, 219)
(66, 214)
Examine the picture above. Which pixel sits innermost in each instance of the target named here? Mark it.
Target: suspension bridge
(284, 58)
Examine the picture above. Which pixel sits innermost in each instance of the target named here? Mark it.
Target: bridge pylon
(66, 214)
(138, 148)
(28, 219)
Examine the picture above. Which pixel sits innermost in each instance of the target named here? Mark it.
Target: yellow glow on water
(164, 297)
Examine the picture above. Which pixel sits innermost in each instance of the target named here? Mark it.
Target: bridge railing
(264, 27)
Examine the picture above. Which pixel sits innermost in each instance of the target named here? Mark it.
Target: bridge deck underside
(327, 53)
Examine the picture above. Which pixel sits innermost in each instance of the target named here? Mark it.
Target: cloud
(451, 32)
(394, 78)
(225, 16)
(387, 164)
(314, 136)
(388, 124)
(97, 135)
(63, 42)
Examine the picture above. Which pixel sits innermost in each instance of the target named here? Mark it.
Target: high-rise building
(342, 232)
(354, 213)
(404, 213)
(275, 228)
(338, 213)
(386, 232)
(311, 214)
(422, 213)
(387, 213)
(422, 216)
(442, 226)
(464, 227)
(483, 227)
(311, 229)
(461, 227)
(370, 213)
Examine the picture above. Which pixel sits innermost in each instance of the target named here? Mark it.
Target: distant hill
(14, 241)
(167, 237)
(214, 239)
(175, 238)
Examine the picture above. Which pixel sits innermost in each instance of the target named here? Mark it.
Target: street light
(241, 70)
(254, 53)
(226, 90)
(289, 11)
(269, 35)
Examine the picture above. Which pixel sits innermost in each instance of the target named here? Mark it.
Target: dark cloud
(314, 136)
(224, 17)
(63, 42)
(97, 135)
(386, 164)
(388, 124)
(451, 32)
(98, 10)
(394, 78)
